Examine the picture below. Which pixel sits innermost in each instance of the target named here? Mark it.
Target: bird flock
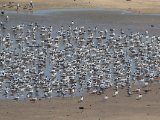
(16, 6)
(37, 62)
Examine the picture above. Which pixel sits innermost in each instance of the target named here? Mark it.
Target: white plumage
(138, 89)
(81, 99)
(139, 97)
(146, 84)
(106, 97)
(115, 93)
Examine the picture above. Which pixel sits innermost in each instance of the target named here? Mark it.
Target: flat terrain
(121, 107)
(144, 6)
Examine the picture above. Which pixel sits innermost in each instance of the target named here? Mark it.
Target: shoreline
(123, 106)
(94, 107)
(50, 10)
(137, 6)
(85, 8)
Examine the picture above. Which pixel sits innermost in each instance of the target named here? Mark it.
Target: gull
(106, 97)
(81, 99)
(7, 18)
(72, 23)
(115, 93)
(33, 99)
(146, 84)
(139, 97)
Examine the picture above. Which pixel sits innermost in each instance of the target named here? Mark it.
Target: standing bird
(72, 23)
(139, 97)
(146, 84)
(115, 93)
(137, 90)
(2, 12)
(81, 99)
(106, 97)
(7, 18)
(18, 6)
(31, 4)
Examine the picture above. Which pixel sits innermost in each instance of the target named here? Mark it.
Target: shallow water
(90, 18)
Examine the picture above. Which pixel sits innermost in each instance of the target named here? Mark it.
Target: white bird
(72, 23)
(146, 84)
(81, 99)
(106, 97)
(16, 98)
(138, 90)
(7, 18)
(139, 97)
(115, 93)
(94, 91)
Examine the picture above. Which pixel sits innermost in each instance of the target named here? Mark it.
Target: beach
(129, 16)
(138, 6)
(120, 107)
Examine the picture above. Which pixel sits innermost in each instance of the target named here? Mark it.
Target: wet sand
(139, 6)
(121, 107)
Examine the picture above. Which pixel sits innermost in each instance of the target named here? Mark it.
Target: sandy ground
(143, 6)
(121, 107)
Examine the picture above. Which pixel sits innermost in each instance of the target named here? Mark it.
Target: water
(90, 18)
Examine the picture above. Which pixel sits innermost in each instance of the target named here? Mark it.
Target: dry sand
(95, 108)
(144, 6)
